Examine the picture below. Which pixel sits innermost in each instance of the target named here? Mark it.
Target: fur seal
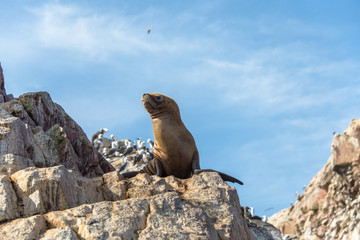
(175, 151)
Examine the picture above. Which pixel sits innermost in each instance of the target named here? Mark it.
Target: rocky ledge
(329, 208)
(55, 185)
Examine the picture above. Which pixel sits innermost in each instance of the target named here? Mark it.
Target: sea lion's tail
(224, 176)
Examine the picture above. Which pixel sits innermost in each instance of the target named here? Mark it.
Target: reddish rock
(330, 204)
(345, 151)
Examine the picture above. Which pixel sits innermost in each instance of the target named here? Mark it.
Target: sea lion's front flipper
(195, 162)
(154, 167)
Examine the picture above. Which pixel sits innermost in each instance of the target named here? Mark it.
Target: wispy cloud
(102, 35)
(70, 27)
(279, 80)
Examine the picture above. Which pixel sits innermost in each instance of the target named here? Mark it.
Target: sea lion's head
(159, 105)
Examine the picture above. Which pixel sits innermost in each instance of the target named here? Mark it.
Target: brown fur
(174, 145)
(175, 151)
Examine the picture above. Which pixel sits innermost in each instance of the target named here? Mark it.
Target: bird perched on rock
(151, 143)
(148, 157)
(123, 166)
(114, 145)
(141, 144)
(96, 135)
(97, 143)
(113, 138)
(129, 149)
(139, 156)
(118, 154)
(105, 151)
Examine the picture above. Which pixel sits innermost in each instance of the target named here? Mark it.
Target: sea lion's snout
(147, 102)
(144, 96)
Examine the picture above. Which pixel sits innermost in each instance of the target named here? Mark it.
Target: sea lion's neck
(167, 119)
(160, 114)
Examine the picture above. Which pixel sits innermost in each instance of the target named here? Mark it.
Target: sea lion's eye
(158, 98)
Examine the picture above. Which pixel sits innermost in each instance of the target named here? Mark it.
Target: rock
(111, 186)
(345, 151)
(15, 138)
(174, 209)
(2, 86)
(56, 148)
(46, 114)
(54, 188)
(10, 163)
(17, 110)
(259, 234)
(62, 233)
(23, 228)
(36, 131)
(328, 208)
(8, 200)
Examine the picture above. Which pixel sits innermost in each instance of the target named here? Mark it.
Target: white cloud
(286, 78)
(101, 35)
(73, 28)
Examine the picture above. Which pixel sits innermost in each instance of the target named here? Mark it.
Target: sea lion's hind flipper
(224, 176)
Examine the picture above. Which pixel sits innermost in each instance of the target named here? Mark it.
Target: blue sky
(262, 85)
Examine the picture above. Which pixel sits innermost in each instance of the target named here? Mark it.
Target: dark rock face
(2, 86)
(46, 114)
(3, 96)
(35, 131)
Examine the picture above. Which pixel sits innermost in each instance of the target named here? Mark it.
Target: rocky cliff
(55, 185)
(329, 207)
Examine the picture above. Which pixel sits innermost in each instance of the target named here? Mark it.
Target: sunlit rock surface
(330, 205)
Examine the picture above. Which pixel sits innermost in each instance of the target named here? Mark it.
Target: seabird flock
(136, 152)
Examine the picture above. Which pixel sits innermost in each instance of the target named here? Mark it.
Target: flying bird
(149, 30)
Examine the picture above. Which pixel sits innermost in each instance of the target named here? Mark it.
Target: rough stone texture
(61, 233)
(8, 210)
(202, 207)
(329, 207)
(15, 138)
(11, 163)
(3, 96)
(23, 228)
(45, 113)
(15, 109)
(144, 207)
(54, 188)
(35, 131)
